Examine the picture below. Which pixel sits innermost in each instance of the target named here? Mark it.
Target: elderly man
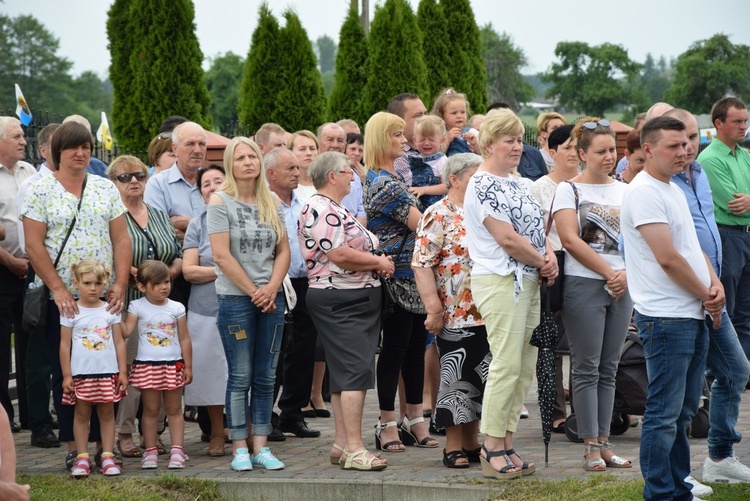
(282, 172)
(270, 136)
(726, 164)
(332, 137)
(409, 107)
(13, 266)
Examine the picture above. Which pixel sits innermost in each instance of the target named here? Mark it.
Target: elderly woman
(152, 236)
(505, 232)
(304, 144)
(160, 154)
(88, 209)
(245, 224)
(344, 300)
(392, 215)
(209, 387)
(597, 307)
(442, 266)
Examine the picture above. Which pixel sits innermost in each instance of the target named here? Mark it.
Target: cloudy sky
(662, 27)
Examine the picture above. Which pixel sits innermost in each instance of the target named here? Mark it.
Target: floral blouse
(441, 245)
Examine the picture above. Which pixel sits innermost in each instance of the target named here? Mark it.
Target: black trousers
(12, 290)
(298, 359)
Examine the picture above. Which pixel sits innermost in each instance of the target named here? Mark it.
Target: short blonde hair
(542, 122)
(378, 130)
(120, 163)
(90, 265)
(264, 199)
(429, 125)
(498, 122)
(304, 133)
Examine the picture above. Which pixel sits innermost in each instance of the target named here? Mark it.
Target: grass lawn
(596, 488)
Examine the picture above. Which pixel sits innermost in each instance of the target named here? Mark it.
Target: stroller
(631, 389)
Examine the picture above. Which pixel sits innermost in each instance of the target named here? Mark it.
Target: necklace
(142, 212)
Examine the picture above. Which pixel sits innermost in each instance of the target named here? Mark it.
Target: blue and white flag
(22, 108)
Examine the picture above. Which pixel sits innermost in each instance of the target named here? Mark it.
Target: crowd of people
(277, 277)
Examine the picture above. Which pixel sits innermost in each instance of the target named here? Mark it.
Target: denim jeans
(675, 350)
(731, 369)
(735, 276)
(252, 341)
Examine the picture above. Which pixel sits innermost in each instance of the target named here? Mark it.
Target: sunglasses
(592, 125)
(164, 135)
(125, 178)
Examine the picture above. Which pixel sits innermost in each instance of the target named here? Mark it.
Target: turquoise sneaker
(267, 460)
(241, 461)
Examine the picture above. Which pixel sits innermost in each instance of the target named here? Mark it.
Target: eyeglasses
(125, 178)
(592, 125)
(164, 135)
(347, 172)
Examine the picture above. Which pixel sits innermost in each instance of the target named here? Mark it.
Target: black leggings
(404, 338)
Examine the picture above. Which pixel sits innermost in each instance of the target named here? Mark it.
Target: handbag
(555, 292)
(36, 298)
(388, 304)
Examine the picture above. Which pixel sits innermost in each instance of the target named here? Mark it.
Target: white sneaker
(728, 470)
(697, 488)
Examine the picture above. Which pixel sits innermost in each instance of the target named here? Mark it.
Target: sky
(661, 27)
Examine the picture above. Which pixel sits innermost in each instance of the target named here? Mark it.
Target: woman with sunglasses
(597, 307)
(152, 237)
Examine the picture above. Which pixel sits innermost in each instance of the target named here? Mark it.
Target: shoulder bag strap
(72, 223)
(145, 233)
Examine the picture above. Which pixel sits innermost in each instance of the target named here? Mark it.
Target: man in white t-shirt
(673, 287)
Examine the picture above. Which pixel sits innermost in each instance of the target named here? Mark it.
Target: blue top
(423, 175)
(698, 194)
(353, 202)
(97, 167)
(458, 145)
(532, 164)
(297, 267)
(170, 192)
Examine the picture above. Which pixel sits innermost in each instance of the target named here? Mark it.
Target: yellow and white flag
(22, 108)
(103, 134)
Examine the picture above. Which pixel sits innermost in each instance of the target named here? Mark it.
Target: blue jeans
(731, 370)
(675, 350)
(735, 276)
(252, 341)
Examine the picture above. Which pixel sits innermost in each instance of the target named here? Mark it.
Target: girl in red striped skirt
(92, 358)
(164, 361)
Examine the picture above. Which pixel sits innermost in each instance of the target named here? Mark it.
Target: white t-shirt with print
(158, 339)
(598, 222)
(92, 348)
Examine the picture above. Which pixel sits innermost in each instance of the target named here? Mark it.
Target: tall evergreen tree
(437, 53)
(395, 62)
(467, 71)
(223, 80)
(351, 76)
(165, 64)
(300, 97)
(120, 72)
(262, 73)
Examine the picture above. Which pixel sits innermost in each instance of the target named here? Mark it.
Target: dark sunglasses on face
(592, 125)
(125, 178)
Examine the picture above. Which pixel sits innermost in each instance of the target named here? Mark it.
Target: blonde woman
(248, 240)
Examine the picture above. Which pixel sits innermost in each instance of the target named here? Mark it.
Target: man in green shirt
(727, 167)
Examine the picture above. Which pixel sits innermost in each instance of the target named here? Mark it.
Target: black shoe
(44, 437)
(55, 425)
(299, 429)
(15, 427)
(276, 435)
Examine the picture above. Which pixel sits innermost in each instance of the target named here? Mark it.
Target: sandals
(190, 414)
(361, 461)
(450, 459)
(526, 467)
(81, 467)
(334, 458)
(109, 466)
(216, 446)
(387, 446)
(503, 473)
(615, 461)
(70, 459)
(474, 455)
(409, 438)
(596, 464)
(133, 452)
(161, 450)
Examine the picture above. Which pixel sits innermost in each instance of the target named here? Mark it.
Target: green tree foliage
(121, 46)
(261, 76)
(326, 52)
(503, 62)
(350, 76)
(467, 69)
(395, 62)
(165, 64)
(437, 52)
(656, 78)
(92, 95)
(709, 70)
(300, 97)
(590, 79)
(223, 80)
(28, 57)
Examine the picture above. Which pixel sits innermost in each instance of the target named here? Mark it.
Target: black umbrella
(545, 338)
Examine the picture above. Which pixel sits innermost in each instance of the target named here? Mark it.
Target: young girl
(453, 108)
(164, 361)
(92, 358)
(427, 167)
